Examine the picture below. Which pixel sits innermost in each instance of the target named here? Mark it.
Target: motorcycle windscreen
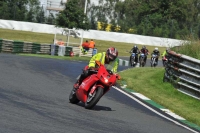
(110, 66)
(82, 92)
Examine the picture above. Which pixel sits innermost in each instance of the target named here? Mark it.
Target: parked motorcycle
(132, 59)
(164, 60)
(153, 60)
(94, 87)
(142, 59)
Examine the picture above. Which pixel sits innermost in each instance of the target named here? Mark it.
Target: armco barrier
(183, 72)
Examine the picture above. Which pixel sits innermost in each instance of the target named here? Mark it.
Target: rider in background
(92, 43)
(145, 51)
(156, 52)
(164, 55)
(108, 58)
(85, 46)
(165, 52)
(136, 51)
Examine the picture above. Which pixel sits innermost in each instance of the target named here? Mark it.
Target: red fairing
(88, 91)
(86, 67)
(82, 92)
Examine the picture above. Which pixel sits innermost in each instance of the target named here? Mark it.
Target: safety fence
(184, 73)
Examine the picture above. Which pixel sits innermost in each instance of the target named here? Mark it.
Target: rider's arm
(131, 50)
(96, 57)
(163, 53)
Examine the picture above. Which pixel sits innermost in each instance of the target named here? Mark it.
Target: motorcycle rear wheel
(72, 97)
(92, 100)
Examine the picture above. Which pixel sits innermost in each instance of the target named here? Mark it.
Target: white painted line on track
(140, 96)
(153, 110)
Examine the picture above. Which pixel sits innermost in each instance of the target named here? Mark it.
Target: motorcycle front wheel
(94, 98)
(142, 62)
(72, 97)
(132, 61)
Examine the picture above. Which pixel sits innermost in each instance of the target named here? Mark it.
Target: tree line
(25, 10)
(160, 18)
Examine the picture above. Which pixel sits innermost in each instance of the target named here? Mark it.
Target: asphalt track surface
(34, 99)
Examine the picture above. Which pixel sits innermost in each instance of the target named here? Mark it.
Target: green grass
(190, 49)
(149, 82)
(101, 45)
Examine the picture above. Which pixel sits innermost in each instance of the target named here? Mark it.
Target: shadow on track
(96, 107)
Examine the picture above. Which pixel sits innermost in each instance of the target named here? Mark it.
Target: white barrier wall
(93, 34)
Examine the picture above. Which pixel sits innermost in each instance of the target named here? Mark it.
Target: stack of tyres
(1, 43)
(68, 50)
(35, 48)
(18, 47)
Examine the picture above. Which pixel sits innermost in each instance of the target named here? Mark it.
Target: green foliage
(190, 49)
(72, 16)
(170, 19)
(22, 10)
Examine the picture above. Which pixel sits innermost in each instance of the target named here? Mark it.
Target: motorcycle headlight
(106, 80)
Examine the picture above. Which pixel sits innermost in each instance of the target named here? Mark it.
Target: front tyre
(72, 97)
(94, 98)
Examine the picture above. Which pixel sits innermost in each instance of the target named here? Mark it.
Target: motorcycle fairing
(133, 54)
(82, 92)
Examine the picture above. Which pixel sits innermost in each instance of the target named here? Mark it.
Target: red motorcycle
(94, 87)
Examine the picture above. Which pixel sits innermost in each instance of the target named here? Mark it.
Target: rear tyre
(72, 97)
(93, 99)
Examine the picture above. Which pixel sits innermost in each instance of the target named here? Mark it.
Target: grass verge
(149, 82)
(190, 49)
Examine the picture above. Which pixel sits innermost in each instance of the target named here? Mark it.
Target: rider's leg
(84, 75)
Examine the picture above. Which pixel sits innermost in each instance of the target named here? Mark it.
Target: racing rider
(136, 51)
(145, 51)
(156, 52)
(108, 58)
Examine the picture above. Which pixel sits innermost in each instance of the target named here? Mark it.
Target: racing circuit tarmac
(34, 99)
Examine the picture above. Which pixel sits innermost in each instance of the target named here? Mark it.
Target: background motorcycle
(153, 60)
(94, 87)
(132, 59)
(142, 62)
